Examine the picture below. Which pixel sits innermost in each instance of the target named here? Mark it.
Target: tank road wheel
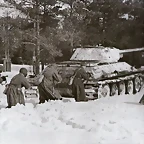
(137, 84)
(130, 87)
(114, 89)
(122, 88)
(142, 81)
(104, 91)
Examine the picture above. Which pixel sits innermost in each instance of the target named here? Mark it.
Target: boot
(8, 107)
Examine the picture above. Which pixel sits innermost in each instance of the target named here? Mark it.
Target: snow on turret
(100, 54)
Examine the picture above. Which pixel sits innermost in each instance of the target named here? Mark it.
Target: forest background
(67, 24)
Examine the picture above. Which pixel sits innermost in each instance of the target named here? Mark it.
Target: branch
(29, 43)
(46, 46)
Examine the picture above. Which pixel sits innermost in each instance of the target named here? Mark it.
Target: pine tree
(39, 15)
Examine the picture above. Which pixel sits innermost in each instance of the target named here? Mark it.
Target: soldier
(78, 85)
(14, 88)
(46, 87)
(142, 99)
(2, 78)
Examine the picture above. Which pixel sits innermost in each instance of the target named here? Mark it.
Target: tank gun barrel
(131, 50)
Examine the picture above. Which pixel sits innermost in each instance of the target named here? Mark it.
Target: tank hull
(106, 80)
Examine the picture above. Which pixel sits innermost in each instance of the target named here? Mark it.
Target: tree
(104, 21)
(38, 14)
(115, 23)
(74, 23)
(10, 33)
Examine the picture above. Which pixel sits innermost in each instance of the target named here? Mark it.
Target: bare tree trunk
(72, 42)
(7, 61)
(37, 49)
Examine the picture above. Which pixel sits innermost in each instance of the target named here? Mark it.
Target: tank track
(130, 83)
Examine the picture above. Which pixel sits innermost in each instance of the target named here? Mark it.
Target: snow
(100, 54)
(110, 68)
(111, 120)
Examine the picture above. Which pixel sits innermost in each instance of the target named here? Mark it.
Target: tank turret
(100, 54)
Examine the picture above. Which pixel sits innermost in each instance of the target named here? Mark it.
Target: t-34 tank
(109, 77)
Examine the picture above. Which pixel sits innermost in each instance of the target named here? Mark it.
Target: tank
(108, 76)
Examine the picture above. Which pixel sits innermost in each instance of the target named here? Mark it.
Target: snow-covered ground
(115, 120)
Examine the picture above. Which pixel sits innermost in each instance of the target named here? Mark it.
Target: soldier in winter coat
(2, 78)
(14, 89)
(78, 85)
(142, 99)
(46, 87)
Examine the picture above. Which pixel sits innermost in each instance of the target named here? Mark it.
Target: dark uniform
(142, 99)
(2, 78)
(46, 87)
(14, 91)
(78, 85)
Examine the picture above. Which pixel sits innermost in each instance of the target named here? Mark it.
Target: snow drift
(112, 120)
